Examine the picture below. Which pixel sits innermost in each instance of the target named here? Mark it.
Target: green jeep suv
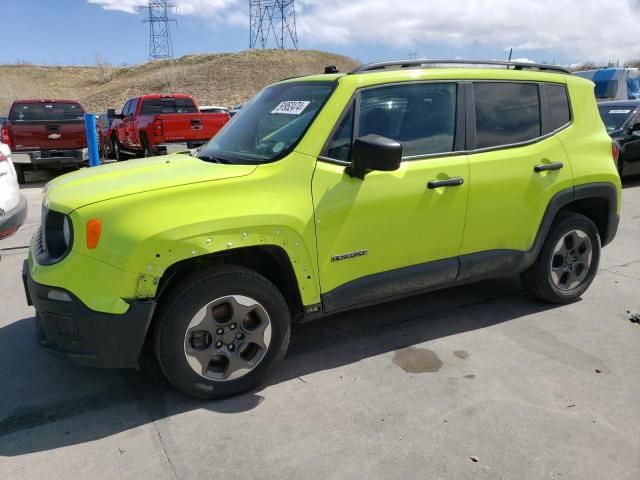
(325, 193)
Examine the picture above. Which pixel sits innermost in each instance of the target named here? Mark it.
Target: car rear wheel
(568, 261)
(146, 149)
(115, 148)
(20, 173)
(221, 332)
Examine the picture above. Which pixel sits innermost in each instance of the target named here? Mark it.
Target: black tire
(115, 147)
(146, 148)
(20, 173)
(180, 309)
(542, 278)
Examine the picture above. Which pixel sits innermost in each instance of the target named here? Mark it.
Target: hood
(91, 185)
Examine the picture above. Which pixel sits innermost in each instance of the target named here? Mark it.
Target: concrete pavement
(409, 389)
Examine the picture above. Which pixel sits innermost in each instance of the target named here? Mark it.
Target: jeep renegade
(325, 193)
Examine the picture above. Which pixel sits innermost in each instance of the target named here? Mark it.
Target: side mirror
(635, 129)
(111, 113)
(373, 152)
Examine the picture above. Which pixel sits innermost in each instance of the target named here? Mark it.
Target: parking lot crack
(164, 450)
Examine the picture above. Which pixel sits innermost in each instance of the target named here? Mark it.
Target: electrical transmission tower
(272, 22)
(159, 36)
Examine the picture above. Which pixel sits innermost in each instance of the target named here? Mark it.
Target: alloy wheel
(227, 338)
(571, 260)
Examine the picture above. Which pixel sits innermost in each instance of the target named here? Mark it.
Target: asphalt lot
(410, 389)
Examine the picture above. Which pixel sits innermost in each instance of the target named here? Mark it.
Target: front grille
(38, 245)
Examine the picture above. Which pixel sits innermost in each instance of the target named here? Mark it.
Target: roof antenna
(510, 53)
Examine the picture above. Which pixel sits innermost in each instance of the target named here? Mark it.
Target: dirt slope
(218, 79)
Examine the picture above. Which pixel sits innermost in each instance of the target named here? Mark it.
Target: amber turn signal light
(94, 229)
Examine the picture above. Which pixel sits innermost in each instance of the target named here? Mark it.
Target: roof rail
(420, 63)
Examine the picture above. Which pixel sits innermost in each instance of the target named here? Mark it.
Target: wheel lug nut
(219, 331)
(218, 344)
(239, 336)
(232, 326)
(231, 347)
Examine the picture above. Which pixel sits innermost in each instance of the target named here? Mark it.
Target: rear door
(47, 126)
(391, 233)
(519, 164)
(120, 125)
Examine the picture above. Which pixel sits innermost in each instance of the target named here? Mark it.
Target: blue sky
(74, 31)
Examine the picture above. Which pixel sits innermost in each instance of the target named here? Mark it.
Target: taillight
(615, 152)
(4, 135)
(157, 128)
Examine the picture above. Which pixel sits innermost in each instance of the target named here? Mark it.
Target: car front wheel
(222, 332)
(568, 261)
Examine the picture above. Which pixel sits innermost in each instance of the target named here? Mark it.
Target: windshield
(270, 125)
(46, 112)
(614, 117)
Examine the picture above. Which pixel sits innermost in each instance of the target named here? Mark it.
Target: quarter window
(421, 116)
(506, 113)
(559, 106)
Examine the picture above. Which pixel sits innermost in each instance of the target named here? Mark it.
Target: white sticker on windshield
(619, 111)
(291, 107)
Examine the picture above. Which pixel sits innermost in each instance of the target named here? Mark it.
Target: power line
(272, 23)
(160, 45)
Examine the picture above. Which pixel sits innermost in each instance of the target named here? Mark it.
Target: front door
(392, 233)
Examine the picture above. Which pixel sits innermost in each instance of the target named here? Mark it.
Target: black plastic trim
(390, 285)
(100, 339)
(470, 117)
(609, 192)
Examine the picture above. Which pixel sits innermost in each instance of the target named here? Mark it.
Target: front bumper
(11, 220)
(69, 329)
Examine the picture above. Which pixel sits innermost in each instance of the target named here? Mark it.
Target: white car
(13, 206)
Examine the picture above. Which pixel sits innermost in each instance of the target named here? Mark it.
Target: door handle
(548, 166)
(449, 182)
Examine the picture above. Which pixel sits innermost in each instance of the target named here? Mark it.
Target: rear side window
(46, 112)
(421, 116)
(154, 106)
(506, 113)
(559, 106)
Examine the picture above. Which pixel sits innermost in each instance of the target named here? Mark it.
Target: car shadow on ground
(69, 404)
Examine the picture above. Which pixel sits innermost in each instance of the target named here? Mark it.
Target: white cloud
(577, 29)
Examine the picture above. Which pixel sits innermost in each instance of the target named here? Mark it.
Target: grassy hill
(217, 79)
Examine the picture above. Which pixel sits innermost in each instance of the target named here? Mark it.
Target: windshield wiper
(213, 158)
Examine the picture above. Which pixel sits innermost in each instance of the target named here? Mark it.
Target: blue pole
(92, 139)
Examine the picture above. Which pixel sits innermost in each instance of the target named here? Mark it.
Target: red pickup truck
(45, 133)
(149, 123)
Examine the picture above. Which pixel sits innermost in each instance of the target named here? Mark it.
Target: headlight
(66, 231)
(56, 237)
